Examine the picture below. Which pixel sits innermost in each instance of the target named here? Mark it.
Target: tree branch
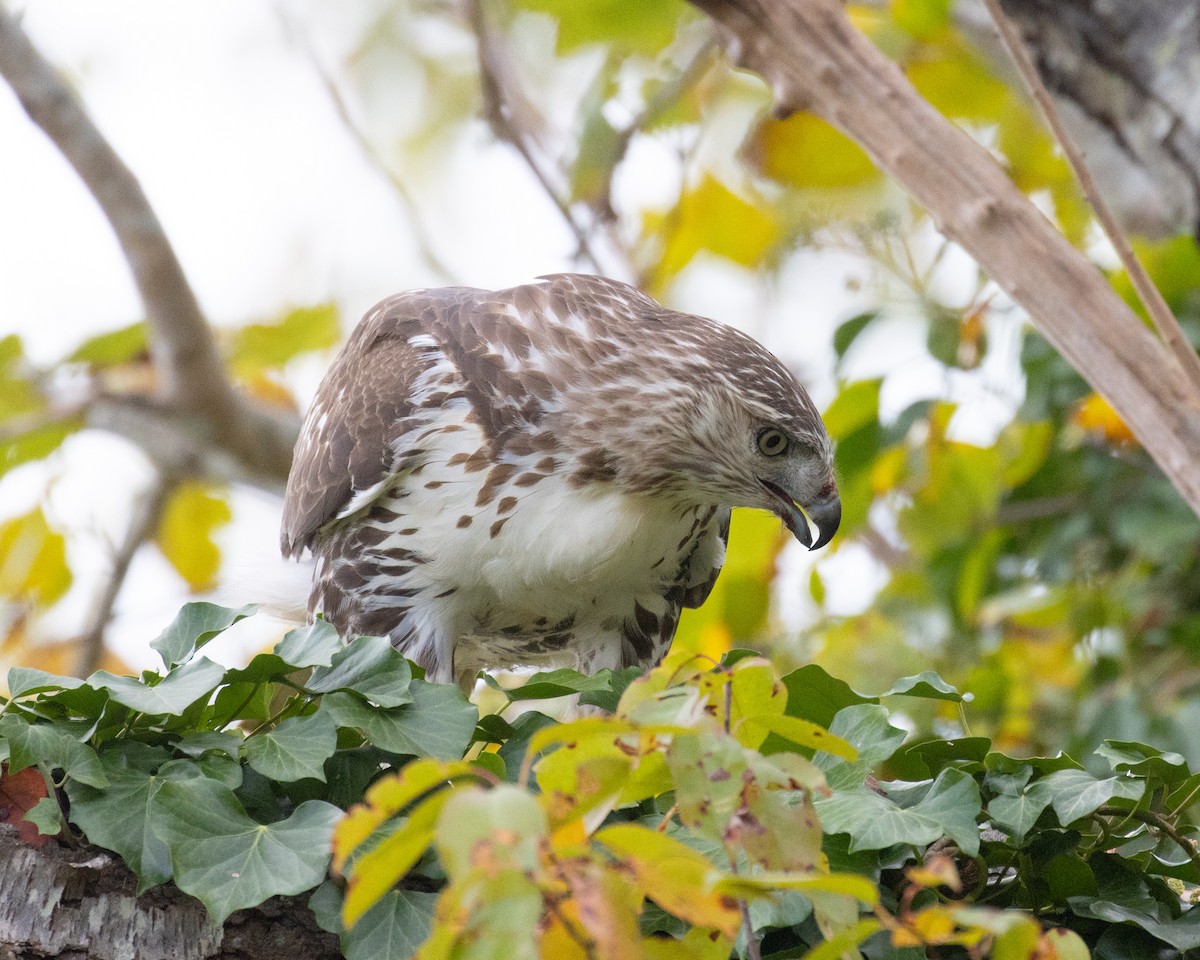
(191, 376)
(147, 513)
(812, 57)
(1152, 299)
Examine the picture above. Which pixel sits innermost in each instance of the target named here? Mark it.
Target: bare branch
(416, 222)
(812, 57)
(515, 120)
(147, 513)
(1152, 299)
(185, 355)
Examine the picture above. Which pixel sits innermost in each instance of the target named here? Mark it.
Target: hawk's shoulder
(346, 445)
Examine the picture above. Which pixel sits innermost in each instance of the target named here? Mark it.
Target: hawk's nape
(542, 475)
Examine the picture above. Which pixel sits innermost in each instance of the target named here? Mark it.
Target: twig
(502, 106)
(416, 222)
(147, 512)
(1158, 822)
(1156, 306)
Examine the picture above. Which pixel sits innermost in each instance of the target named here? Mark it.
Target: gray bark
(1125, 75)
(81, 905)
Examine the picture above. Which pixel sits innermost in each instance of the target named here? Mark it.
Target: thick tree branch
(813, 58)
(191, 376)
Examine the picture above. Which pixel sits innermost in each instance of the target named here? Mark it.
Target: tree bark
(813, 58)
(81, 905)
(1125, 76)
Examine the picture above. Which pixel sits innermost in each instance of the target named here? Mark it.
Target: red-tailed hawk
(542, 475)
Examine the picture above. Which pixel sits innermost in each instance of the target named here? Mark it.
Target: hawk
(542, 475)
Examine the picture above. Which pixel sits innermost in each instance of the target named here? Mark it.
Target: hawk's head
(702, 411)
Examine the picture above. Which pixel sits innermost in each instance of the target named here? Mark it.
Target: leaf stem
(1158, 822)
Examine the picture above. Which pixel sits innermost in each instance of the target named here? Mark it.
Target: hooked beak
(825, 514)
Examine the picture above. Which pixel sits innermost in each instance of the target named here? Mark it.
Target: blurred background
(307, 159)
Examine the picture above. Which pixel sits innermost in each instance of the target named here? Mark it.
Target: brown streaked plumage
(542, 475)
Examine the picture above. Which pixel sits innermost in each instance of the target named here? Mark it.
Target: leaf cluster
(699, 811)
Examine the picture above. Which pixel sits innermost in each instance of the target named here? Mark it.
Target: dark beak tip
(827, 517)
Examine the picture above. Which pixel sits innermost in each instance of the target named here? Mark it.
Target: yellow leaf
(674, 876)
(1095, 414)
(712, 217)
(185, 533)
(805, 734)
(806, 152)
(378, 870)
(33, 560)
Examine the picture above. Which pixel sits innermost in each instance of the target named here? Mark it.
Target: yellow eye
(772, 443)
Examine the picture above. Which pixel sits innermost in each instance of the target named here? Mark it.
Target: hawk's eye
(772, 443)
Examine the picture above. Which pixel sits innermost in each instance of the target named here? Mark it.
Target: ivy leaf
(864, 726)
(555, 683)
(370, 667)
(1076, 793)
(193, 627)
(950, 808)
(926, 686)
(32, 743)
(310, 646)
(395, 927)
(295, 749)
(230, 862)
(24, 681)
(47, 816)
(118, 817)
(1140, 760)
(438, 723)
(816, 696)
(1018, 814)
(172, 695)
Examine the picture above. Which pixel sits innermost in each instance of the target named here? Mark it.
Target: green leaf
(1076, 793)
(1017, 815)
(814, 695)
(35, 444)
(395, 927)
(438, 723)
(926, 686)
(310, 646)
(24, 681)
(228, 861)
(56, 747)
(950, 809)
(628, 25)
(848, 331)
(178, 690)
(864, 726)
(47, 816)
(262, 346)
(118, 817)
(295, 749)
(193, 627)
(113, 347)
(369, 667)
(555, 683)
(1182, 933)
(1127, 756)
(855, 406)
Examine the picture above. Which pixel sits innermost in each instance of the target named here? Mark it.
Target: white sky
(270, 204)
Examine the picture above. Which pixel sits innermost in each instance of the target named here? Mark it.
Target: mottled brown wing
(345, 446)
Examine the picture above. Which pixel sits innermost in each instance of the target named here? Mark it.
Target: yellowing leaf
(804, 151)
(921, 18)
(185, 533)
(952, 78)
(33, 560)
(804, 733)
(628, 25)
(1096, 415)
(674, 876)
(712, 217)
(260, 346)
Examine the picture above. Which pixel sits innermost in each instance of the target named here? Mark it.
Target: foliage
(717, 810)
